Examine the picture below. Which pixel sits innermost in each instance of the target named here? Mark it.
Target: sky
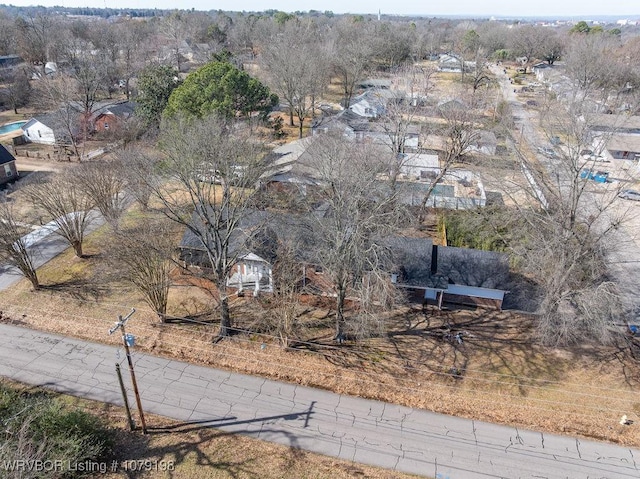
(579, 9)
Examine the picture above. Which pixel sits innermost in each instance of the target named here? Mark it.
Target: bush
(38, 426)
(470, 229)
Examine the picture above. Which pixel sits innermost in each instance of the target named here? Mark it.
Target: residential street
(624, 244)
(45, 245)
(364, 431)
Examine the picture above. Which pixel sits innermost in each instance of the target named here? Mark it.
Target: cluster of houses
(53, 128)
(615, 135)
(426, 272)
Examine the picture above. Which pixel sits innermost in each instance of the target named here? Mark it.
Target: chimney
(434, 259)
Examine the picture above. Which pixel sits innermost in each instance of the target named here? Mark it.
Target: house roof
(620, 123)
(463, 266)
(54, 121)
(123, 110)
(375, 83)
(624, 142)
(259, 233)
(344, 119)
(5, 156)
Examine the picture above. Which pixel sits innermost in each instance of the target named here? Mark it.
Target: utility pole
(120, 325)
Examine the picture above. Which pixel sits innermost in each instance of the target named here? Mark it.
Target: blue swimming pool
(9, 127)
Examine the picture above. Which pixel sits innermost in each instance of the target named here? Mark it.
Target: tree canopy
(221, 88)
(155, 84)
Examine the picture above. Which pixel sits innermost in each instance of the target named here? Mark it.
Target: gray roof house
(50, 128)
(372, 103)
(448, 274)
(8, 170)
(425, 271)
(357, 127)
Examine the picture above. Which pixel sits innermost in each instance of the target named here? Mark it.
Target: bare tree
(35, 37)
(8, 34)
(458, 133)
(66, 204)
(413, 85)
(290, 57)
(212, 168)
(14, 246)
(132, 38)
(17, 89)
(104, 183)
(174, 28)
(567, 232)
(590, 64)
(141, 169)
(88, 73)
(58, 94)
(287, 273)
(355, 213)
(143, 251)
(352, 54)
(527, 42)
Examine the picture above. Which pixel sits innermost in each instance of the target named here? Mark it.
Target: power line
(444, 374)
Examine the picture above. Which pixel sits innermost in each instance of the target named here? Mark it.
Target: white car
(589, 155)
(629, 195)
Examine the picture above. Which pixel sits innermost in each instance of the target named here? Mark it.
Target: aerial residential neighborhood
(283, 244)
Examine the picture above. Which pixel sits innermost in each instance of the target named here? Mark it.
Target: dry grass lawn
(498, 373)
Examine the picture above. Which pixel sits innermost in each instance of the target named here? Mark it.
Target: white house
(36, 131)
(253, 273)
(372, 103)
(419, 166)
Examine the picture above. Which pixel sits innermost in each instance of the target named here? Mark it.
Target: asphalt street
(364, 431)
(45, 246)
(623, 244)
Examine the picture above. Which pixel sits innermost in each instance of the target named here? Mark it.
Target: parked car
(547, 151)
(629, 195)
(589, 155)
(597, 176)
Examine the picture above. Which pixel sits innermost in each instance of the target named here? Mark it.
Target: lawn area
(497, 373)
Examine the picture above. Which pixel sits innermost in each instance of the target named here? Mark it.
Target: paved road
(364, 431)
(624, 242)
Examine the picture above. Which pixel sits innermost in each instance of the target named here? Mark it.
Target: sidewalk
(363, 431)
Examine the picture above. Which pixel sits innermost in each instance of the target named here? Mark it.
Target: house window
(27, 132)
(39, 134)
(106, 125)
(8, 171)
